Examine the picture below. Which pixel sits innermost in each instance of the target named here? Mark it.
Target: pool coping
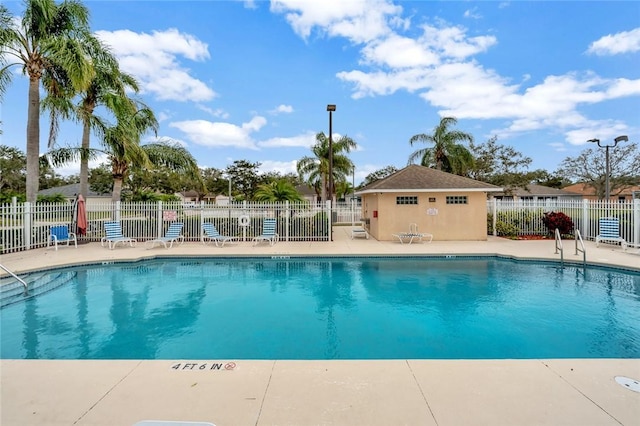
(338, 392)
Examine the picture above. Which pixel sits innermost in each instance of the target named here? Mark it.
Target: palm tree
(316, 168)
(108, 88)
(447, 154)
(278, 190)
(49, 42)
(124, 151)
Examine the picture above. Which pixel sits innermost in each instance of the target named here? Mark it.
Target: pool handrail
(15, 276)
(581, 248)
(558, 239)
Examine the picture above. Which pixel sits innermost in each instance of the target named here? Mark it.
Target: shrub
(508, 230)
(559, 221)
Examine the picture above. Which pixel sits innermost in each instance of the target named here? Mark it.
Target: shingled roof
(416, 178)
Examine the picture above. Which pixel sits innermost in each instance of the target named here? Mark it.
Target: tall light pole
(331, 108)
(608, 166)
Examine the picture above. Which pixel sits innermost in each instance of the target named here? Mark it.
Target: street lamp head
(594, 140)
(331, 107)
(621, 138)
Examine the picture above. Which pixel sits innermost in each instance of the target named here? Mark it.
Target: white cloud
(73, 168)
(305, 140)
(616, 44)
(153, 60)
(358, 20)
(472, 13)
(282, 109)
(217, 134)
(282, 167)
(218, 112)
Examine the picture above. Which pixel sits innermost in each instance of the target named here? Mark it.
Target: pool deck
(283, 392)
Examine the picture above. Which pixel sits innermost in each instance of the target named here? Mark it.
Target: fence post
(287, 215)
(636, 221)
(159, 224)
(327, 206)
(494, 209)
(27, 228)
(116, 216)
(585, 219)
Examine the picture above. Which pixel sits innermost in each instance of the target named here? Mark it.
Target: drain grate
(628, 383)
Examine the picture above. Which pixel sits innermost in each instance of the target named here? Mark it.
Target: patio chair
(268, 232)
(359, 231)
(59, 234)
(413, 235)
(174, 233)
(609, 231)
(211, 233)
(114, 235)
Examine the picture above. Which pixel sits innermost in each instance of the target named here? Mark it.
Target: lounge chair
(359, 231)
(59, 234)
(413, 235)
(173, 234)
(211, 233)
(609, 231)
(268, 232)
(113, 236)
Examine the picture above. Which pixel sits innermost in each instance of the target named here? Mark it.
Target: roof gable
(420, 178)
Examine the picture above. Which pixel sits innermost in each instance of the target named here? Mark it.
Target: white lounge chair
(609, 231)
(174, 233)
(269, 233)
(114, 235)
(59, 234)
(211, 233)
(413, 235)
(359, 231)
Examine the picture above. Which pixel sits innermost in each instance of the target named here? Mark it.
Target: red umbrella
(81, 216)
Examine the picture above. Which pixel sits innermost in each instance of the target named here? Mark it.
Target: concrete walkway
(391, 392)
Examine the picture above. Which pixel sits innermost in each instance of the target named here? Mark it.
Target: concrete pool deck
(283, 392)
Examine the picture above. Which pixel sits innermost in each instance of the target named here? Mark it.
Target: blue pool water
(322, 308)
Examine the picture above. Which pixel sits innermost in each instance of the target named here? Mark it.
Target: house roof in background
(542, 191)
(414, 178)
(586, 189)
(70, 191)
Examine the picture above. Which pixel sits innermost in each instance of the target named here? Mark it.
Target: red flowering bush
(559, 221)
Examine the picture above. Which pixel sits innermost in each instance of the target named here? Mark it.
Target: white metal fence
(24, 226)
(525, 217)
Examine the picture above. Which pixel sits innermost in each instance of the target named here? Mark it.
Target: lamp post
(608, 166)
(331, 108)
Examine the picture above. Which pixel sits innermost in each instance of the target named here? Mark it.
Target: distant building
(588, 192)
(535, 192)
(449, 206)
(72, 190)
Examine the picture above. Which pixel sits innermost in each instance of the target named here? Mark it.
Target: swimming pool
(328, 308)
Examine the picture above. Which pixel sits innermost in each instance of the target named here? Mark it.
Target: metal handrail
(582, 248)
(558, 239)
(15, 276)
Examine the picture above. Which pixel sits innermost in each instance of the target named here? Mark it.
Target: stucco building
(448, 206)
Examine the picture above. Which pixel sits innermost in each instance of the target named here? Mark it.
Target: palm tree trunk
(324, 188)
(33, 140)
(117, 189)
(84, 159)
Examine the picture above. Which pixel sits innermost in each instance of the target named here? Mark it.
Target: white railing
(525, 218)
(24, 226)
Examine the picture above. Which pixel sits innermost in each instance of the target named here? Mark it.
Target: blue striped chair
(268, 232)
(113, 236)
(211, 233)
(174, 233)
(609, 231)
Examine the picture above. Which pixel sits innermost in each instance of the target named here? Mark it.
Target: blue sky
(250, 80)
